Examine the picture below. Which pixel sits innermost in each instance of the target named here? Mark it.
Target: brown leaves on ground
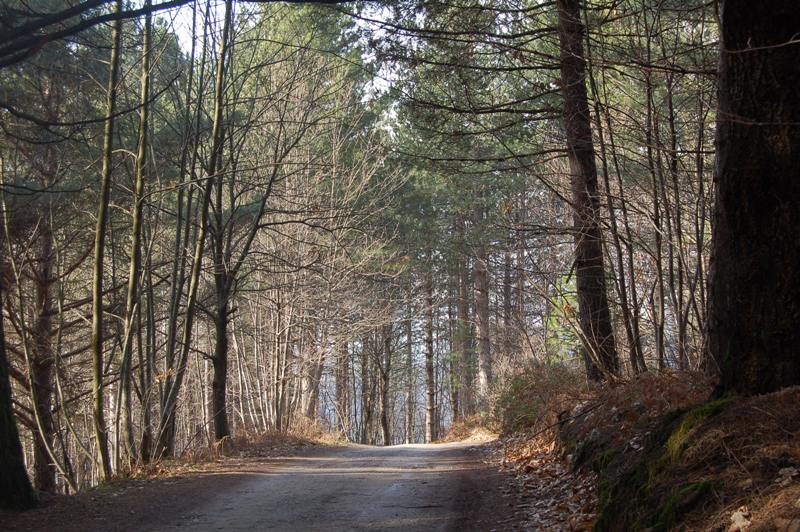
(551, 495)
(555, 495)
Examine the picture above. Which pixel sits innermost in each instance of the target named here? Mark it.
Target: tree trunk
(385, 371)
(754, 287)
(410, 388)
(314, 380)
(482, 329)
(146, 363)
(131, 303)
(16, 492)
(463, 329)
(657, 295)
(430, 384)
(342, 390)
(44, 478)
(101, 437)
(595, 317)
(220, 378)
(166, 426)
(44, 473)
(367, 392)
(620, 281)
(508, 324)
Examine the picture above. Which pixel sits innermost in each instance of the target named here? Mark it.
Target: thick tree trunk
(367, 392)
(595, 317)
(15, 487)
(754, 287)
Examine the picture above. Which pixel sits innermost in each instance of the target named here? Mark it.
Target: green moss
(603, 459)
(677, 440)
(680, 503)
(629, 495)
(618, 499)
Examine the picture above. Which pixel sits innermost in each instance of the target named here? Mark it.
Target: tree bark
(385, 371)
(754, 287)
(16, 492)
(430, 384)
(44, 473)
(595, 318)
(220, 377)
(463, 329)
(481, 274)
(410, 388)
(101, 437)
(166, 429)
(342, 390)
(131, 303)
(635, 356)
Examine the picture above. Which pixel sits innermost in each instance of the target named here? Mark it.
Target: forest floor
(657, 453)
(447, 486)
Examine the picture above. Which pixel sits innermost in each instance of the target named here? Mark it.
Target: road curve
(405, 487)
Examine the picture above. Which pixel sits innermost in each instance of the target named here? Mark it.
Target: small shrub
(535, 396)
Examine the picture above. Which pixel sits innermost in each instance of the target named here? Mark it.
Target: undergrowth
(535, 396)
(246, 444)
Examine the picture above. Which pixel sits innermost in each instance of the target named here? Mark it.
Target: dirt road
(408, 487)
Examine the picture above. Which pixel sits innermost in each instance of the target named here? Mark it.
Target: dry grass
(473, 429)
(302, 434)
(750, 452)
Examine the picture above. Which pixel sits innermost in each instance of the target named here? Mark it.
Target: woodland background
(238, 218)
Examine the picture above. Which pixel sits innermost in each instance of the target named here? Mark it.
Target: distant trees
(520, 121)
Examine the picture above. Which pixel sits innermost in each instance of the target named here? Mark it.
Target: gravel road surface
(406, 487)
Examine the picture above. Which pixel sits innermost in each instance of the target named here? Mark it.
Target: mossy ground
(642, 495)
(668, 458)
(698, 465)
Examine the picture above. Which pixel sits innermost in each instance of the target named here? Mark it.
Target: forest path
(404, 487)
